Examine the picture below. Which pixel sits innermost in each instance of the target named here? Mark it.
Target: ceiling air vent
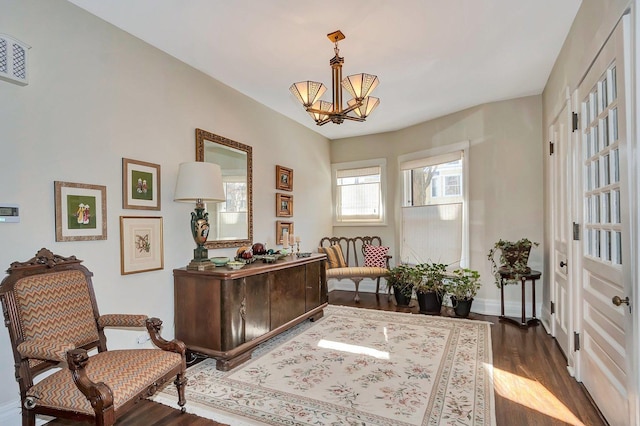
(13, 60)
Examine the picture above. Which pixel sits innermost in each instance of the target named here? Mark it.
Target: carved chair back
(353, 248)
(52, 302)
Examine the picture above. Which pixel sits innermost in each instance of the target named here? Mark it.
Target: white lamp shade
(368, 105)
(198, 180)
(360, 85)
(307, 92)
(324, 106)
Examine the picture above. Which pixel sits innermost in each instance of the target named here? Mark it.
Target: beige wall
(505, 191)
(96, 95)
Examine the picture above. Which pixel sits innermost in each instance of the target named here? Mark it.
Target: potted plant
(463, 286)
(514, 257)
(402, 278)
(431, 287)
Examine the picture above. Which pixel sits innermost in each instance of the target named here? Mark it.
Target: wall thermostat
(9, 213)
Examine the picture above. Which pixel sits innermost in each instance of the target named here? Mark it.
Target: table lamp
(199, 182)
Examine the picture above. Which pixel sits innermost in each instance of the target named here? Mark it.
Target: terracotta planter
(430, 303)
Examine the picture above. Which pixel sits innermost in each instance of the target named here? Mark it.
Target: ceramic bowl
(235, 264)
(219, 261)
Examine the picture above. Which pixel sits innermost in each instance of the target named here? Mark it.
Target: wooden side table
(531, 276)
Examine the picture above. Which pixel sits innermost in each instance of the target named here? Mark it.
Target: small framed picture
(140, 185)
(81, 211)
(284, 178)
(281, 227)
(141, 246)
(284, 205)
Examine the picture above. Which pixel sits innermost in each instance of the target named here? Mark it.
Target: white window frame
(376, 162)
(433, 152)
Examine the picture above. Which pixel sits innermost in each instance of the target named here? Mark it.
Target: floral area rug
(355, 367)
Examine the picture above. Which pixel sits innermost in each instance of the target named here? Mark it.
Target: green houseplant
(431, 287)
(463, 286)
(514, 257)
(403, 278)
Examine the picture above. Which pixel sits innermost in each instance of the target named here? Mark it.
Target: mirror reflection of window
(231, 220)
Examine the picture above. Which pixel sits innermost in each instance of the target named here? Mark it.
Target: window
(434, 210)
(358, 192)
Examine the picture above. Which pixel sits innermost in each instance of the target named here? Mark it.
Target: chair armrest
(153, 326)
(99, 394)
(387, 259)
(47, 349)
(122, 320)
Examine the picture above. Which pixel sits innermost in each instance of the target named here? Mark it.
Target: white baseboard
(479, 306)
(11, 415)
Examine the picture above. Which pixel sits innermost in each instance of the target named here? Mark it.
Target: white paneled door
(606, 329)
(561, 184)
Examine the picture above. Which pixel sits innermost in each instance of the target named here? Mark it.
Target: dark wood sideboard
(225, 314)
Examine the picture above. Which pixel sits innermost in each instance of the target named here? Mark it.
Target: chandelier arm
(318, 111)
(348, 117)
(358, 104)
(323, 122)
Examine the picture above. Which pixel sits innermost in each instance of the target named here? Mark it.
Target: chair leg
(357, 282)
(181, 383)
(377, 286)
(28, 417)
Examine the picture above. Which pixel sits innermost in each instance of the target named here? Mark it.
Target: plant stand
(531, 276)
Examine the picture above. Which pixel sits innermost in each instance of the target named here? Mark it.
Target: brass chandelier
(358, 85)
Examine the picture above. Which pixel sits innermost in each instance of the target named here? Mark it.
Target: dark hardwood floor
(532, 384)
(150, 413)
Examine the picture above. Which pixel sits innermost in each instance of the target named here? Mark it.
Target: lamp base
(201, 265)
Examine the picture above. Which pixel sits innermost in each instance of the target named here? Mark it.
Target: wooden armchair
(50, 310)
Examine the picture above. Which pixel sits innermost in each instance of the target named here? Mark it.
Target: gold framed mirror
(231, 222)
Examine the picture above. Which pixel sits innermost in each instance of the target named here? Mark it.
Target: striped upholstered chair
(52, 316)
(355, 259)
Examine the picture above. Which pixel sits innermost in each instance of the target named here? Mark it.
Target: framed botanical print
(140, 185)
(141, 245)
(284, 178)
(81, 211)
(284, 205)
(282, 228)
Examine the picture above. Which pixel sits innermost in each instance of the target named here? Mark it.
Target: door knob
(563, 264)
(616, 300)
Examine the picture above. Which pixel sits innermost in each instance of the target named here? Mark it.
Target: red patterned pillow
(375, 256)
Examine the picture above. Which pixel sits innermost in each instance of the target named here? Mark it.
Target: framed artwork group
(284, 202)
(81, 215)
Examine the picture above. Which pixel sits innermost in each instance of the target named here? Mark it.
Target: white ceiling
(433, 57)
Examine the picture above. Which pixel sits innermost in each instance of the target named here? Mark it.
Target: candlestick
(297, 238)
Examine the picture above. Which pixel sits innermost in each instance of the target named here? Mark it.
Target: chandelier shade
(318, 106)
(366, 107)
(359, 86)
(307, 92)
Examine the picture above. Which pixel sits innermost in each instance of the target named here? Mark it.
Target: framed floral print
(284, 205)
(140, 185)
(141, 245)
(81, 211)
(284, 178)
